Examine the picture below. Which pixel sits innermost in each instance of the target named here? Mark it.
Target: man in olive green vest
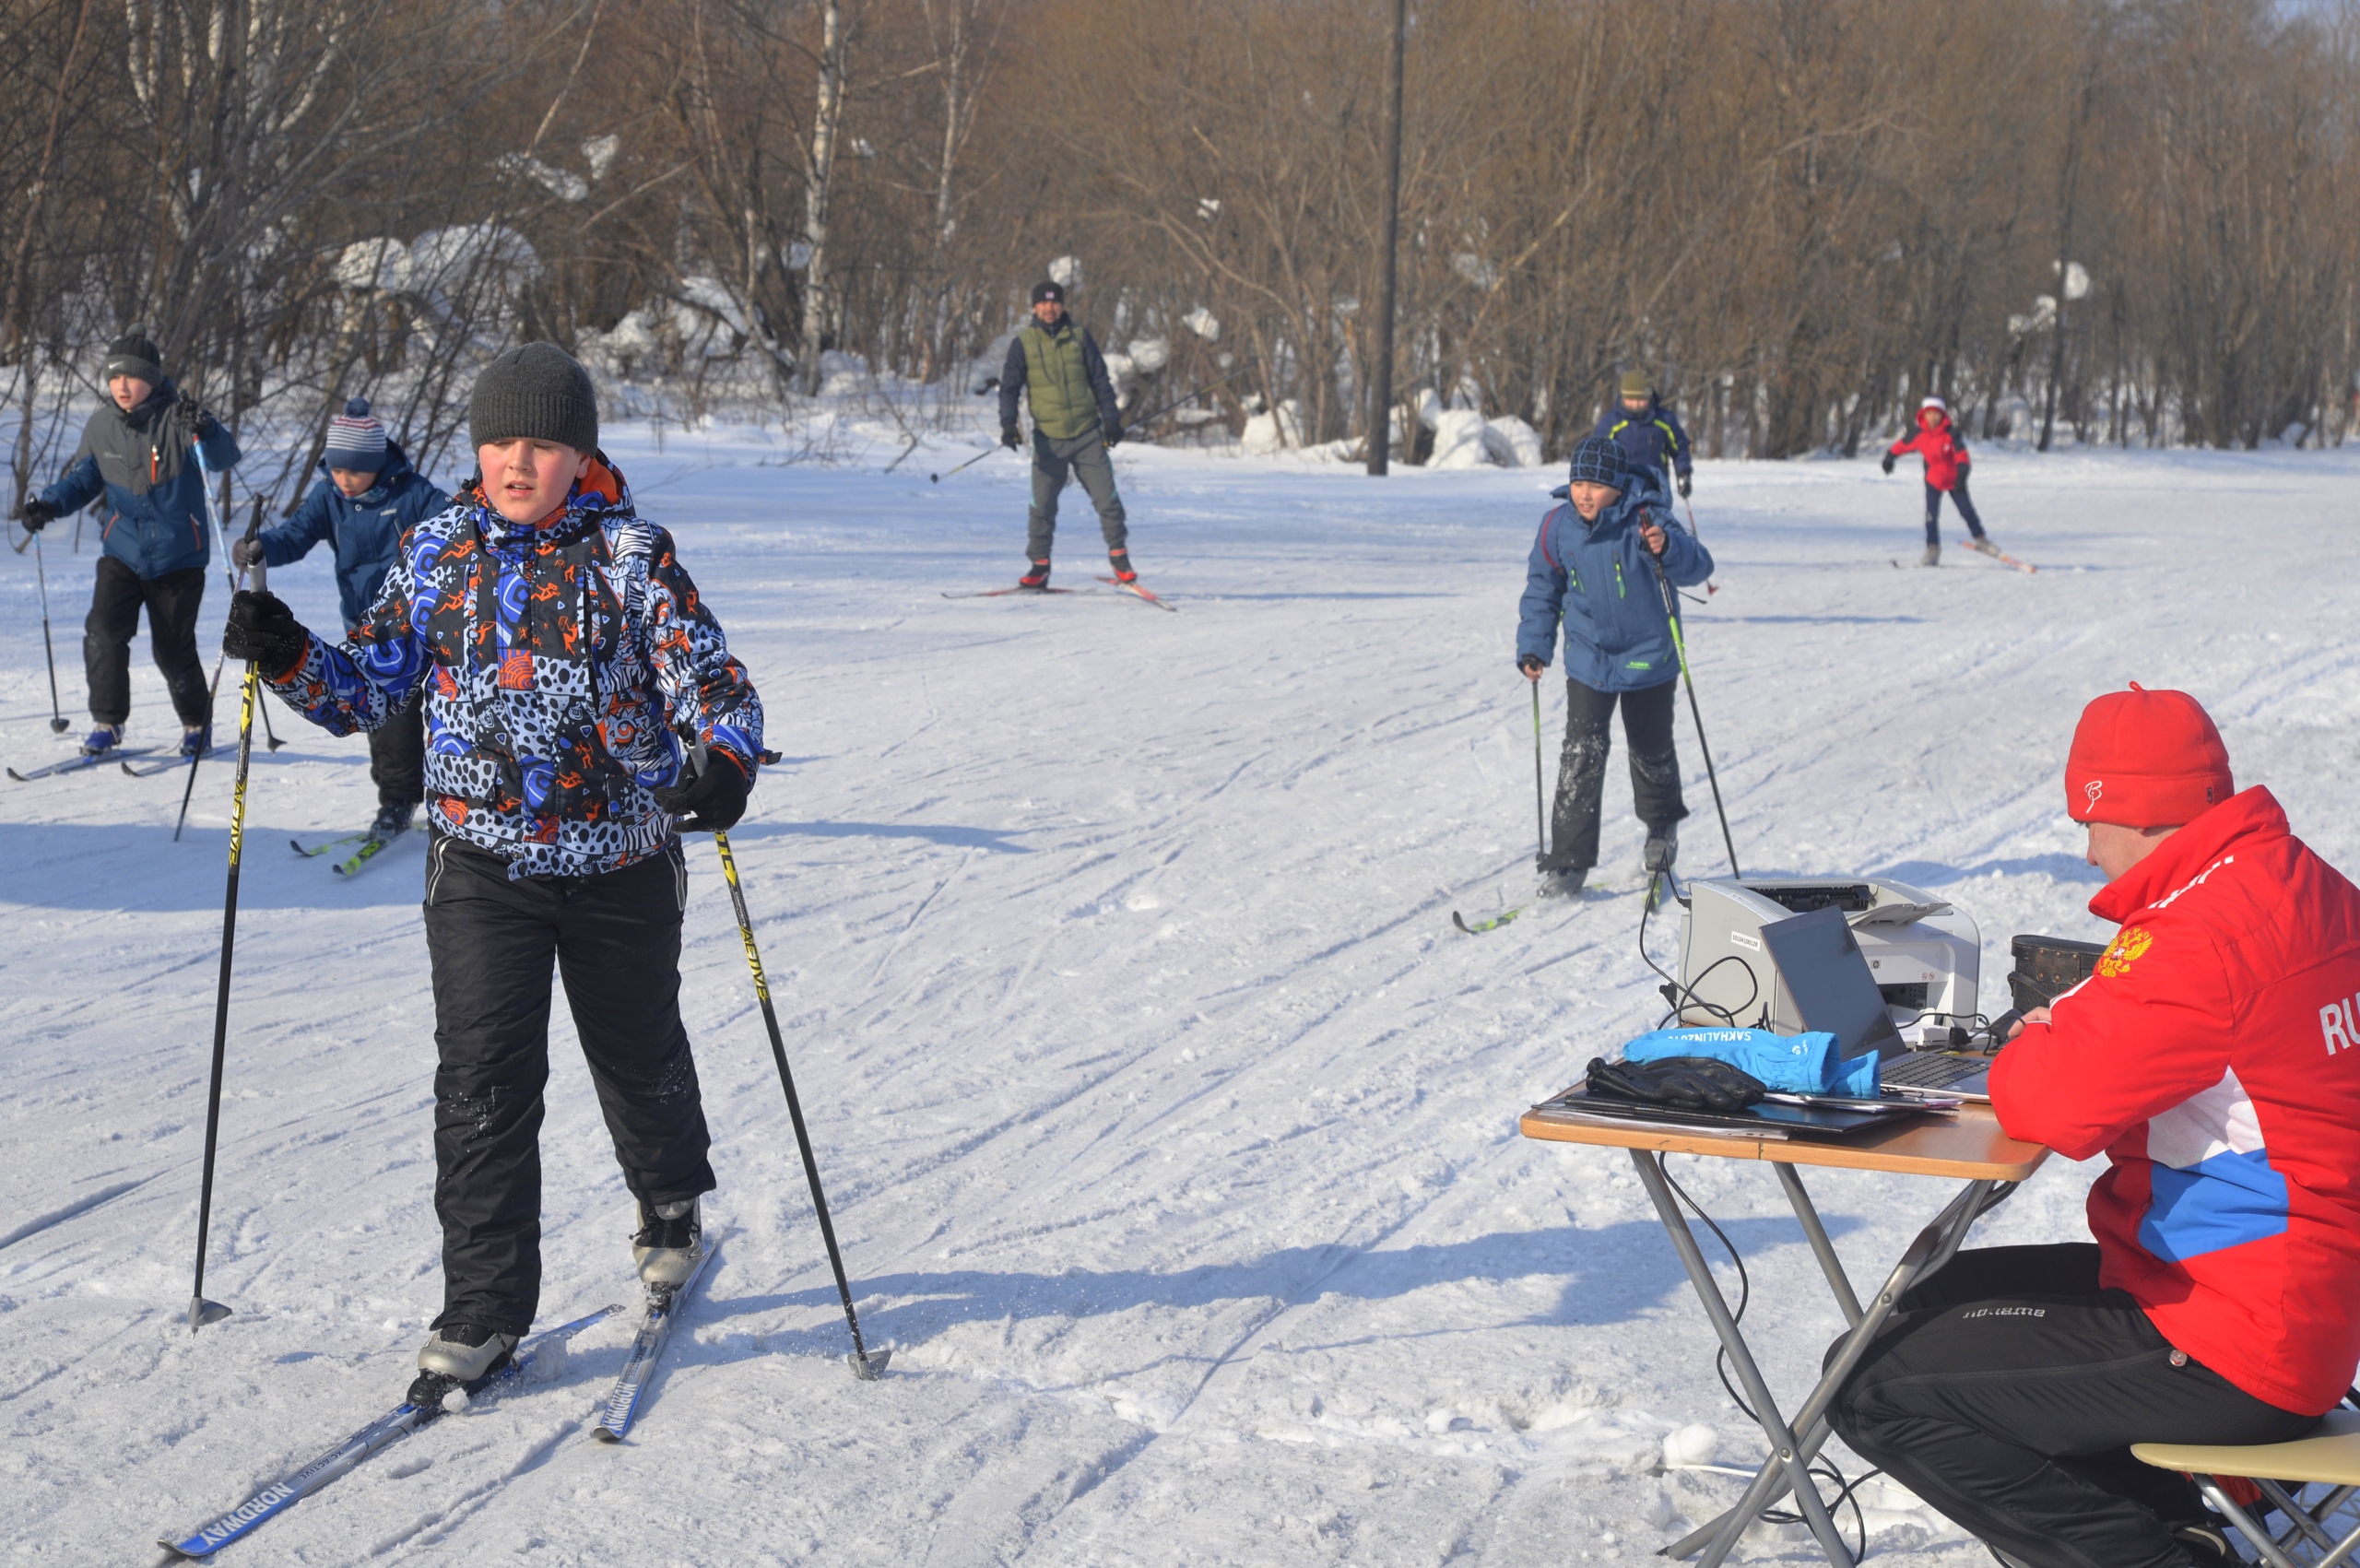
(1074, 424)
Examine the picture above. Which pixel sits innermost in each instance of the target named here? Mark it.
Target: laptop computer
(1820, 965)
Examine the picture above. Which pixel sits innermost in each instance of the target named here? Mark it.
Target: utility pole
(1380, 402)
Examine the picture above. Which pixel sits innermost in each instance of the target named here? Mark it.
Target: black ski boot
(1120, 559)
(1036, 576)
(1662, 849)
(461, 1355)
(669, 1245)
(392, 820)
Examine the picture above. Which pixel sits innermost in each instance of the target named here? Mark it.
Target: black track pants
(2007, 1391)
(397, 754)
(615, 940)
(172, 601)
(1959, 498)
(1581, 769)
(1084, 457)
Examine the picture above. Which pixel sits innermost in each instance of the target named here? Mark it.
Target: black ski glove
(244, 552)
(710, 801)
(1887, 464)
(1011, 437)
(1685, 481)
(38, 514)
(262, 628)
(1531, 664)
(1683, 1083)
(1114, 435)
(194, 420)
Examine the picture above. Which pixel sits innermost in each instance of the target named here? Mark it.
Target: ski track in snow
(1169, 1125)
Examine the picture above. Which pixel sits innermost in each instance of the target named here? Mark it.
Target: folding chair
(2328, 1458)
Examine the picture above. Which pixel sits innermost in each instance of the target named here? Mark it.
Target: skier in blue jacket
(1648, 433)
(135, 460)
(371, 498)
(1593, 572)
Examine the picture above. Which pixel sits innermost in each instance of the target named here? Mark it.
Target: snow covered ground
(1170, 1126)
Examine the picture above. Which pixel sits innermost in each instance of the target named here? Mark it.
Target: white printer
(1924, 954)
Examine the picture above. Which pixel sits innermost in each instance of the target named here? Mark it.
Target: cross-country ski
(297, 1484)
(660, 1312)
(77, 764)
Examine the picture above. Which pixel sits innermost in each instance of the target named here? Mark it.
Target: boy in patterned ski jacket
(559, 644)
(2209, 1057)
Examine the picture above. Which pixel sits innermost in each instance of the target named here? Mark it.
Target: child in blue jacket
(370, 499)
(1593, 572)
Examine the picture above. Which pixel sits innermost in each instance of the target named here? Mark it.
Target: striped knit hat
(356, 441)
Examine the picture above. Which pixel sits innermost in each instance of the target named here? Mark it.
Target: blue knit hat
(356, 441)
(1598, 461)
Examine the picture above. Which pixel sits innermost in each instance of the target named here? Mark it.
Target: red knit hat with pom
(2145, 758)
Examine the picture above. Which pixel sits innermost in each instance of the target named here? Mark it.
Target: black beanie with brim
(538, 392)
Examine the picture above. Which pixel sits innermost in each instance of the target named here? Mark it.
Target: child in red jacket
(1946, 464)
(2210, 1058)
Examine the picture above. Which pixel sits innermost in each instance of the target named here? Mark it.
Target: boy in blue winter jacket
(1593, 570)
(134, 461)
(371, 498)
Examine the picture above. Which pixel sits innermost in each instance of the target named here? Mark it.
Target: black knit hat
(538, 391)
(133, 355)
(1598, 461)
(1045, 290)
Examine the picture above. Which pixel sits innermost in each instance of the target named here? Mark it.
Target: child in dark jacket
(1593, 572)
(371, 498)
(1947, 460)
(136, 462)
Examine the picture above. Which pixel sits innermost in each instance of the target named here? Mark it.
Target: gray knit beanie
(538, 391)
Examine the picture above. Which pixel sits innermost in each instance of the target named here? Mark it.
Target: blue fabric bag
(1793, 1063)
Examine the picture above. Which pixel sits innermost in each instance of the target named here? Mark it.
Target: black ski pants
(1083, 457)
(1581, 769)
(397, 754)
(1959, 498)
(616, 942)
(171, 602)
(2007, 1390)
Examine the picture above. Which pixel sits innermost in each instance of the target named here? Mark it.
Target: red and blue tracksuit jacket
(2215, 1058)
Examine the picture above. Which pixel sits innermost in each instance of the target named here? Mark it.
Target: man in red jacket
(2212, 1059)
(1947, 461)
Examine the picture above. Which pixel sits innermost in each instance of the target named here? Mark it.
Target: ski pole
(865, 1364)
(1679, 647)
(230, 571)
(200, 1311)
(1711, 587)
(41, 575)
(1539, 816)
(962, 467)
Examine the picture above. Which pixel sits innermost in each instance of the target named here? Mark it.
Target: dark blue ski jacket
(1600, 581)
(1649, 438)
(137, 466)
(365, 532)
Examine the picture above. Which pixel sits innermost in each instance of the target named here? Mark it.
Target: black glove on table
(1683, 1083)
(38, 514)
(262, 628)
(1011, 437)
(712, 801)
